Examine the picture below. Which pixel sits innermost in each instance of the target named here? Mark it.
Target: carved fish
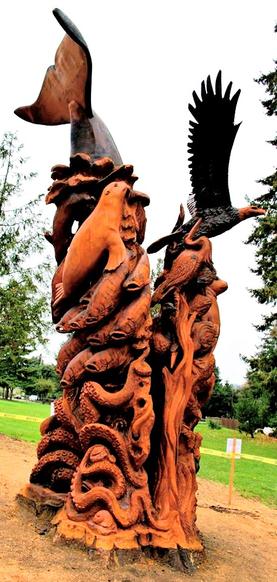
(106, 295)
(68, 350)
(63, 325)
(132, 317)
(99, 234)
(140, 277)
(76, 368)
(109, 359)
(101, 337)
(143, 335)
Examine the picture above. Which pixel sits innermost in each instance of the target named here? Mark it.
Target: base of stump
(124, 547)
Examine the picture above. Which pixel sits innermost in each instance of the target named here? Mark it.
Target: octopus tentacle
(44, 469)
(100, 431)
(59, 438)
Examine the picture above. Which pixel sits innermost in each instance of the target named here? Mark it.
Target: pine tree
(264, 234)
(262, 367)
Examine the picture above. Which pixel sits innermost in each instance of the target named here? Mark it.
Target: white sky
(148, 57)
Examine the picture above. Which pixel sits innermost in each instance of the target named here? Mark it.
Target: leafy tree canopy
(221, 403)
(23, 307)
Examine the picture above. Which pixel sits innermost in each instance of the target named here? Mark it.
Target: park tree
(263, 236)
(23, 323)
(262, 367)
(221, 403)
(250, 412)
(37, 377)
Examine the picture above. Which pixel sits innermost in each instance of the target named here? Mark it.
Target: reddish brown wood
(119, 456)
(95, 449)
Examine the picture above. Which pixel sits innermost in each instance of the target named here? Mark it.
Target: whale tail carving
(65, 97)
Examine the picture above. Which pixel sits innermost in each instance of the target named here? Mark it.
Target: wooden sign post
(234, 449)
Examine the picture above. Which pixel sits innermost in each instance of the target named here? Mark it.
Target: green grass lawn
(252, 478)
(26, 430)
(261, 445)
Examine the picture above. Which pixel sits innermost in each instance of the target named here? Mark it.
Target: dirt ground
(239, 543)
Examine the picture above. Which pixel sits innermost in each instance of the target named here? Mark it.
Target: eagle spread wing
(211, 138)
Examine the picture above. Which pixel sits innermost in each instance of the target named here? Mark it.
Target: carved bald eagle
(211, 137)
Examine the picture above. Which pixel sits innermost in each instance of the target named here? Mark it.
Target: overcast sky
(148, 57)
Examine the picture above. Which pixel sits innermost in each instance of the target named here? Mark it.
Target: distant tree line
(223, 400)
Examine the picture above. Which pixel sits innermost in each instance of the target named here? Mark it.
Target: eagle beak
(250, 211)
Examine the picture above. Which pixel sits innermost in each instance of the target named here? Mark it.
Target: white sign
(234, 446)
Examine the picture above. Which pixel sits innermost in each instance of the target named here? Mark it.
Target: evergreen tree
(249, 412)
(22, 304)
(262, 367)
(264, 234)
(221, 403)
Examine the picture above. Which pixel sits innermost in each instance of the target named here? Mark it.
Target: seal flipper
(59, 294)
(117, 254)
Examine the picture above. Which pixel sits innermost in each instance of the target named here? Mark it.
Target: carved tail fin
(67, 81)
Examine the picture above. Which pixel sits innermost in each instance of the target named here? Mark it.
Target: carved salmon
(64, 324)
(76, 369)
(101, 337)
(68, 350)
(98, 235)
(106, 296)
(109, 359)
(140, 277)
(132, 317)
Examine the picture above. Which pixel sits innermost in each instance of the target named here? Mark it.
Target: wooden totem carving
(119, 457)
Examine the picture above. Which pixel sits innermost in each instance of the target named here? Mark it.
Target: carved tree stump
(93, 458)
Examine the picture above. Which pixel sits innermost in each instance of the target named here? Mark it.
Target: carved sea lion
(99, 234)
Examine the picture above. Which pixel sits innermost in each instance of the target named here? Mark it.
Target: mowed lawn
(252, 478)
(27, 428)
